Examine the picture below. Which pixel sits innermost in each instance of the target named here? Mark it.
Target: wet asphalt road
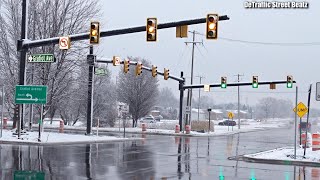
(157, 157)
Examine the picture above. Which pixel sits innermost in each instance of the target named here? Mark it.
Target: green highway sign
(41, 58)
(100, 71)
(22, 175)
(31, 94)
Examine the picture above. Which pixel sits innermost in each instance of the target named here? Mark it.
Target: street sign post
(301, 109)
(31, 94)
(41, 58)
(318, 91)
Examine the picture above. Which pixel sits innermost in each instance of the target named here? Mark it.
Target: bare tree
(140, 92)
(104, 100)
(275, 108)
(46, 18)
(166, 98)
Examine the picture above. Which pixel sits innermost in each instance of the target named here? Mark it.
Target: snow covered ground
(286, 154)
(218, 130)
(164, 127)
(56, 138)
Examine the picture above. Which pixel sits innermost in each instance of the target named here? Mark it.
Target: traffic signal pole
(23, 52)
(181, 84)
(90, 61)
(25, 43)
(195, 86)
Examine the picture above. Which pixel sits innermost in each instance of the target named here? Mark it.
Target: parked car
(158, 118)
(227, 123)
(147, 119)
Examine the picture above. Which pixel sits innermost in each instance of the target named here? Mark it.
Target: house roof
(236, 111)
(203, 111)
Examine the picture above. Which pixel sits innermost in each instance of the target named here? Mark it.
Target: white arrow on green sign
(31, 94)
(41, 58)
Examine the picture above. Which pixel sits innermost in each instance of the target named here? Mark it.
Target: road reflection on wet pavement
(157, 157)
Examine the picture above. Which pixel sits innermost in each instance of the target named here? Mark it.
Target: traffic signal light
(138, 69)
(94, 32)
(212, 26)
(16, 111)
(223, 82)
(154, 71)
(126, 64)
(166, 74)
(255, 81)
(151, 29)
(289, 81)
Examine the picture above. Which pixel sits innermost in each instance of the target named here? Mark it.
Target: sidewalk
(285, 155)
(50, 138)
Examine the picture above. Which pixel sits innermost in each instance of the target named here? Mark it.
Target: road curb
(281, 162)
(69, 143)
(173, 134)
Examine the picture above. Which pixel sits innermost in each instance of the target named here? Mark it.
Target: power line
(268, 43)
(273, 43)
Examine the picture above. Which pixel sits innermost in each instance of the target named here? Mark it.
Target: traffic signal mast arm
(26, 43)
(235, 84)
(105, 60)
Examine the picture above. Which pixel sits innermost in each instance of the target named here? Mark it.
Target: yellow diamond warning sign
(301, 109)
(230, 115)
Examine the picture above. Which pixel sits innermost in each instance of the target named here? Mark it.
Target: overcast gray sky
(222, 57)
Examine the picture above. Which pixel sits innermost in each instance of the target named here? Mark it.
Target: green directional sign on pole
(41, 58)
(100, 71)
(32, 175)
(31, 94)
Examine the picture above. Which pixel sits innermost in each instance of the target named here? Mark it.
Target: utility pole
(238, 75)
(200, 77)
(189, 95)
(90, 60)
(23, 52)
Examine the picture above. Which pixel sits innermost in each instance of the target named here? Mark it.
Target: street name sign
(31, 94)
(318, 91)
(100, 71)
(41, 58)
(302, 109)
